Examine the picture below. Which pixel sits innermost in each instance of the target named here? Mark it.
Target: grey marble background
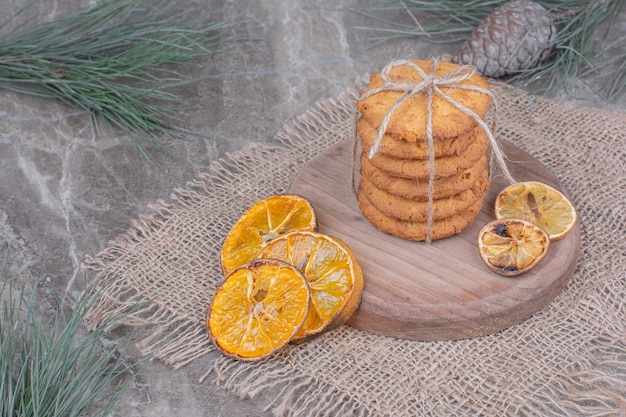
(65, 192)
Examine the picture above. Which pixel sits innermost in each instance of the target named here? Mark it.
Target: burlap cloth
(568, 359)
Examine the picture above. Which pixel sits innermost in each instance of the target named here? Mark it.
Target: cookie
(418, 189)
(418, 231)
(408, 121)
(400, 148)
(417, 211)
(418, 169)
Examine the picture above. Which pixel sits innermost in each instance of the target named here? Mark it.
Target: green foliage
(116, 60)
(51, 367)
(580, 48)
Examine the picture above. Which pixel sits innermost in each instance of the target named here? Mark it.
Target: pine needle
(577, 54)
(113, 61)
(50, 366)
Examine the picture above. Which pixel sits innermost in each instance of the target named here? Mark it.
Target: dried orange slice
(511, 246)
(258, 309)
(334, 277)
(263, 221)
(539, 204)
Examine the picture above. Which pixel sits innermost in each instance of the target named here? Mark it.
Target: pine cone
(515, 36)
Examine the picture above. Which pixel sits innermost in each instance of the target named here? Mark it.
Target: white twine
(431, 84)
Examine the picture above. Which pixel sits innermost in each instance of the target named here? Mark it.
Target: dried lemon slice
(511, 246)
(539, 204)
(263, 221)
(334, 277)
(258, 309)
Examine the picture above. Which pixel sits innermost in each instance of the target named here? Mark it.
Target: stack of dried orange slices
(529, 215)
(284, 281)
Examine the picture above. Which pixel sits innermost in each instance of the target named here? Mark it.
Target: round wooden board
(440, 291)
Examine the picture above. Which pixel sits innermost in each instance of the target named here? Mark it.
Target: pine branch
(577, 52)
(49, 366)
(113, 61)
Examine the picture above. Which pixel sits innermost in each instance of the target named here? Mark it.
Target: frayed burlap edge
(593, 310)
(175, 339)
(293, 393)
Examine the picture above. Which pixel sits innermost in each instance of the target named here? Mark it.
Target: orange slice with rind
(260, 223)
(258, 309)
(537, 203)
(511, 247)
(332, 271)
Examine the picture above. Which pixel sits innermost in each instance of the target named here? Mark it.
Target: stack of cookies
(394, 187)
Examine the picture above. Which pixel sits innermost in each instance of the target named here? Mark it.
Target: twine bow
(431, 84)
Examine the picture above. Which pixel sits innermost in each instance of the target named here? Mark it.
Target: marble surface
(65, 192)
